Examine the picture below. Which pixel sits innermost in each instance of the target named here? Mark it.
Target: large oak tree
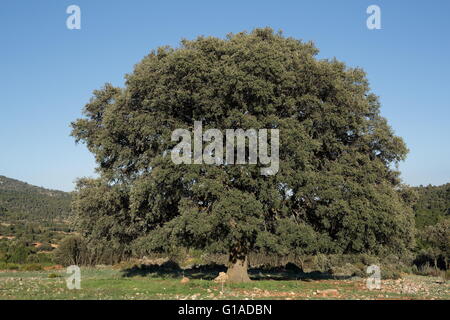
(336, 190)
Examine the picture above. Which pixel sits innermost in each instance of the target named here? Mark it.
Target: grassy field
(111, 283)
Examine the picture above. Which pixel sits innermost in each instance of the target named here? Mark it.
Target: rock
(328, 293)
(184, 280)
(222, 277)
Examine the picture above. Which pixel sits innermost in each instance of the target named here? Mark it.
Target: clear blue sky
(48, 72)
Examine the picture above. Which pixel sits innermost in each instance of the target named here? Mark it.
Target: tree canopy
(336, 190)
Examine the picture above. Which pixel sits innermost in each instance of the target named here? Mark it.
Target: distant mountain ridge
(16, 185)
(20, 200)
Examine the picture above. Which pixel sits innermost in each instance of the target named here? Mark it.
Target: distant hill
(22, 201)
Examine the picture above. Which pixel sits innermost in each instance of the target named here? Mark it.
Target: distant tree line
(432, 216)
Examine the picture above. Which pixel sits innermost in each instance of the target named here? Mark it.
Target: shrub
(18, 254)
(54, 275)
(72, 251)
(446, 275)
(427, 270)
(8, 266)
(31, 267)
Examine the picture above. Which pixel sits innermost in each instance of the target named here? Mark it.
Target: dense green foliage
(336, 191)
(432, 212)
(72, 251)
(433, 204)
(19, 252)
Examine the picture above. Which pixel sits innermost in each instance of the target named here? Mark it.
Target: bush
(39, 257)
(31, 267)
(18, 254)
(348, 269)
(446, 275)
(427, 270)
(390, 273)
(72, 251)
(54, 275)
(8, 266)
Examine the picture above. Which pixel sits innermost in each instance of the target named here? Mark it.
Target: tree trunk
(237, 268)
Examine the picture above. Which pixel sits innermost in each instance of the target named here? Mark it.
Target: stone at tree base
(184, 280)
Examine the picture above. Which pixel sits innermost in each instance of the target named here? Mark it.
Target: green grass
(110, 283)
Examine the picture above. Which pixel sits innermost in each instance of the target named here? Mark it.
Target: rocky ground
(109, 283)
